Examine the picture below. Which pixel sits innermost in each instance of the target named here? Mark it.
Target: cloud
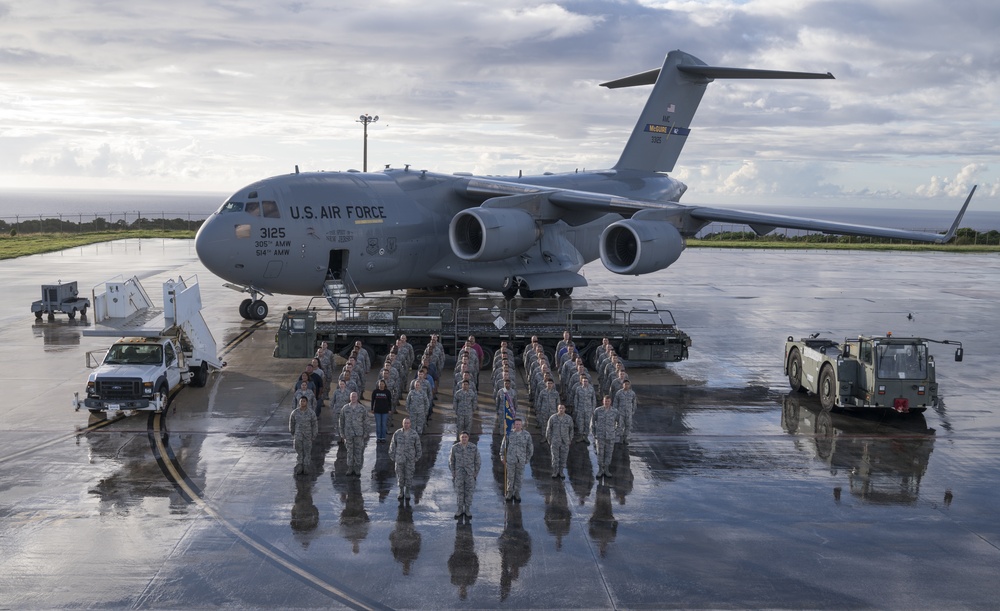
(191, 95)
(961, 183)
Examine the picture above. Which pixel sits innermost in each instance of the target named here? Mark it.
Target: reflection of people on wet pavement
(303, 426)
(405, 450)
(404, 539)
(603, 525)
(463, 563)
(353, 518)
(557, 513)
(515, 549)
(464, 463)
(581, 471)
(430, 447)
(623, 480)
(383, 473)
(305, 514)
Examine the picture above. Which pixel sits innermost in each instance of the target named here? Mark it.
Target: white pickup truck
(159, 351)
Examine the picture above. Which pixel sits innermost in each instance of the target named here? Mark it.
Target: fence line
(80, 222)
(734, 232)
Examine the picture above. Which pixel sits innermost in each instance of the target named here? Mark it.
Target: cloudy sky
(209, 95)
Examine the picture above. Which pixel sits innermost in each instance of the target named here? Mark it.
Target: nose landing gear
(253, 308)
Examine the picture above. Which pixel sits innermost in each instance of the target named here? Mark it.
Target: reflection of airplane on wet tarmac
(885, 455)
(342, 233)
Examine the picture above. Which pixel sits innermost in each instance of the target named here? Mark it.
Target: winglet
(961, 213)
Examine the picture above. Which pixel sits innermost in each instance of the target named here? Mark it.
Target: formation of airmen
(569, 402)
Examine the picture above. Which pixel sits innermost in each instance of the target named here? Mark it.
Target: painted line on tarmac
(239, 339)
(190, 491)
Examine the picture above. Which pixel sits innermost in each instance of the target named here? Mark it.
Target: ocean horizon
(85, 205)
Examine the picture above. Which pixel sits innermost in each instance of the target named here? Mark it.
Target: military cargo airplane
(344, 233)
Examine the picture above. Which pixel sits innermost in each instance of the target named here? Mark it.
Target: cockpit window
(270, 210)
(231, 207)
(252, 208)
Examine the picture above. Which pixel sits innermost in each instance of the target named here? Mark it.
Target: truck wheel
(827, 389)
(72, 314)
(795, 370)
(83, 312)
(38, 315)
(199, 375)
(164, 396)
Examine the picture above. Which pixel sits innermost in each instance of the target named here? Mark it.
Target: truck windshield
(901, 361)
(132, 354)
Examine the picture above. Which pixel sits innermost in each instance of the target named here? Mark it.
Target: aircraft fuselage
(379, 231)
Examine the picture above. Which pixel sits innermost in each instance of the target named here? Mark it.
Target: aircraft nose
(212, 243)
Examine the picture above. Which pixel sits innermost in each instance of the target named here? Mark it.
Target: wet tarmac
(733, 493)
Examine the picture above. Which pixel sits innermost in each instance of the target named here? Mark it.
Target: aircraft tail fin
(665, 122)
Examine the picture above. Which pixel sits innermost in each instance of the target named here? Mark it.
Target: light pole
(364, 120)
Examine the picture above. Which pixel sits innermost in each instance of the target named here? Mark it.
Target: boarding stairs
(337, 295)
(124, 309)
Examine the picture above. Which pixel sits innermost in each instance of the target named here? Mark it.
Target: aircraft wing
(763, 223)
(692, 218)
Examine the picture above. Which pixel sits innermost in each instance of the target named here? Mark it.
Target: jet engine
(640, 246)
(491, 234)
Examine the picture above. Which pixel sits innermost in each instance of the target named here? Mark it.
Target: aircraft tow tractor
(870, 372)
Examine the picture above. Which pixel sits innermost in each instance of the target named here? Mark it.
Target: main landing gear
(513, 286)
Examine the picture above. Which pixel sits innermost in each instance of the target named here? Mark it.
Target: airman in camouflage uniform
(364, 360)
(406, 352)
(465, 405)
(559, 433)
(584, 402)
(464, 463)
(354, 428)
(604, 426)
(303, 390)
(340, 398)
(417, 405)
(625, 402)
(303, 427)
(404, 450)
(515, 452)
(545, 403)
(325, 356)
